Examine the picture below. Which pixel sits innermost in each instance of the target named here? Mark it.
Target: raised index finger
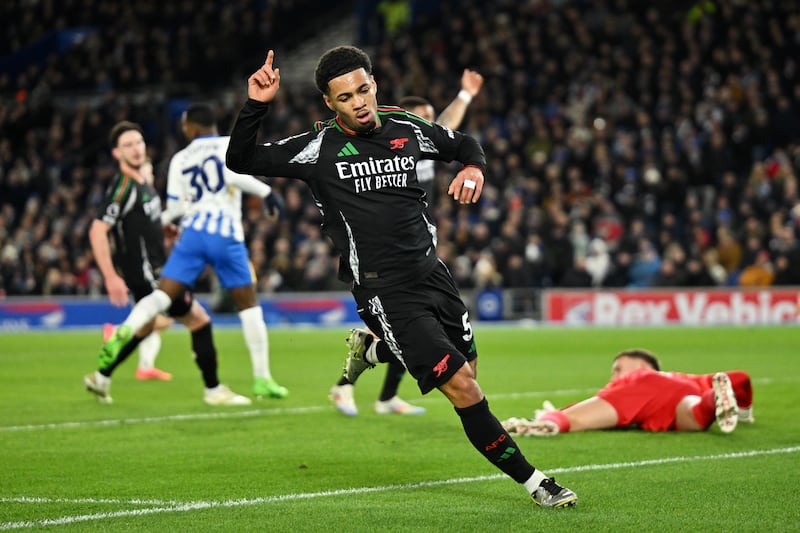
(267, 68)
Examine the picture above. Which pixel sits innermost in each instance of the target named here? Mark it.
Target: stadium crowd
(629, 143)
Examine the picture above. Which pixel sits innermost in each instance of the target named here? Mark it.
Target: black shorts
(139, 274)
(140, 290)
(425, 324)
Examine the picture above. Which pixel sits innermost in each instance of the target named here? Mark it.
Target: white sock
(148, 351)
(147, 308)
(371, 355)
(534, 481)
(255, 336)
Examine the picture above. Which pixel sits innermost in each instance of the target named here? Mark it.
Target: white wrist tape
(469, 184)
(464, 95)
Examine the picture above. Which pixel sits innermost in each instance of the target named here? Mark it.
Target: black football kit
(365, 185)
(374, 211)
(133, 209)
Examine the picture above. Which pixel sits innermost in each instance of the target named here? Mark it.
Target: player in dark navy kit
(133, 270)
(361, 169)
(388, 401)
(131, 214)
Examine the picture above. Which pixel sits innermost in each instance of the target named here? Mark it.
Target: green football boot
(110, 350)
(269, 388)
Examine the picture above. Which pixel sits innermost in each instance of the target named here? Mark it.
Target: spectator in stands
(729, 252)
(598, 261)
(598, 122)
(760, 273)
(697, 275)
(645, 265)
(619, 273)
(787, 269)
(576, 276)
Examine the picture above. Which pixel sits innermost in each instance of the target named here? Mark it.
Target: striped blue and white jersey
(205, 193)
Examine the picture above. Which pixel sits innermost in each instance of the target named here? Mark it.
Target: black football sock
(488, 437)
(205, 355)
(123, 354)
(384, 353)
(394, 373)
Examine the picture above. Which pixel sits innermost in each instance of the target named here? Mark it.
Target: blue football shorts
(197, 249)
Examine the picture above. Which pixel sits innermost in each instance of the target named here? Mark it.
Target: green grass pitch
(159, 459)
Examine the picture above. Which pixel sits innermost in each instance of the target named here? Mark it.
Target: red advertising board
(663, 306)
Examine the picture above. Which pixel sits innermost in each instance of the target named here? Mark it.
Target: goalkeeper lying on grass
(640, 394)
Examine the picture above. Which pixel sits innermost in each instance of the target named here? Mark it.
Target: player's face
(353, 97)
(131, 150)
(625, 365)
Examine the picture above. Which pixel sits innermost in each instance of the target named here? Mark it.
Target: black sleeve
(470, 153)
(453, 145)
(246, 156)
(242, 147)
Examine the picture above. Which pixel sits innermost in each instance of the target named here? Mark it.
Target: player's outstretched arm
(453, 114)
(263, 84)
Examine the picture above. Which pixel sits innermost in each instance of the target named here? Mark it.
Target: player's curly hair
(337, 61)
(638, 353)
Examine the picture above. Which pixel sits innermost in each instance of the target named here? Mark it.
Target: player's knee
(182, 304)
(163, 322)
(462, 389)
(244, 297)
(474, 366)
(196, 318)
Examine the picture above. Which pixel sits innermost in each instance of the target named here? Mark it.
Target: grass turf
(159, 459)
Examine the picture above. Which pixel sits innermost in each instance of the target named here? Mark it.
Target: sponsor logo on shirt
(347, 150)
(152, 208)
(373, 174)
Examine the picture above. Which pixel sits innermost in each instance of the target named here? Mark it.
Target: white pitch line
(297, 410)
(249, 413)
(38, 499)
(170, 418)
(175, 507)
